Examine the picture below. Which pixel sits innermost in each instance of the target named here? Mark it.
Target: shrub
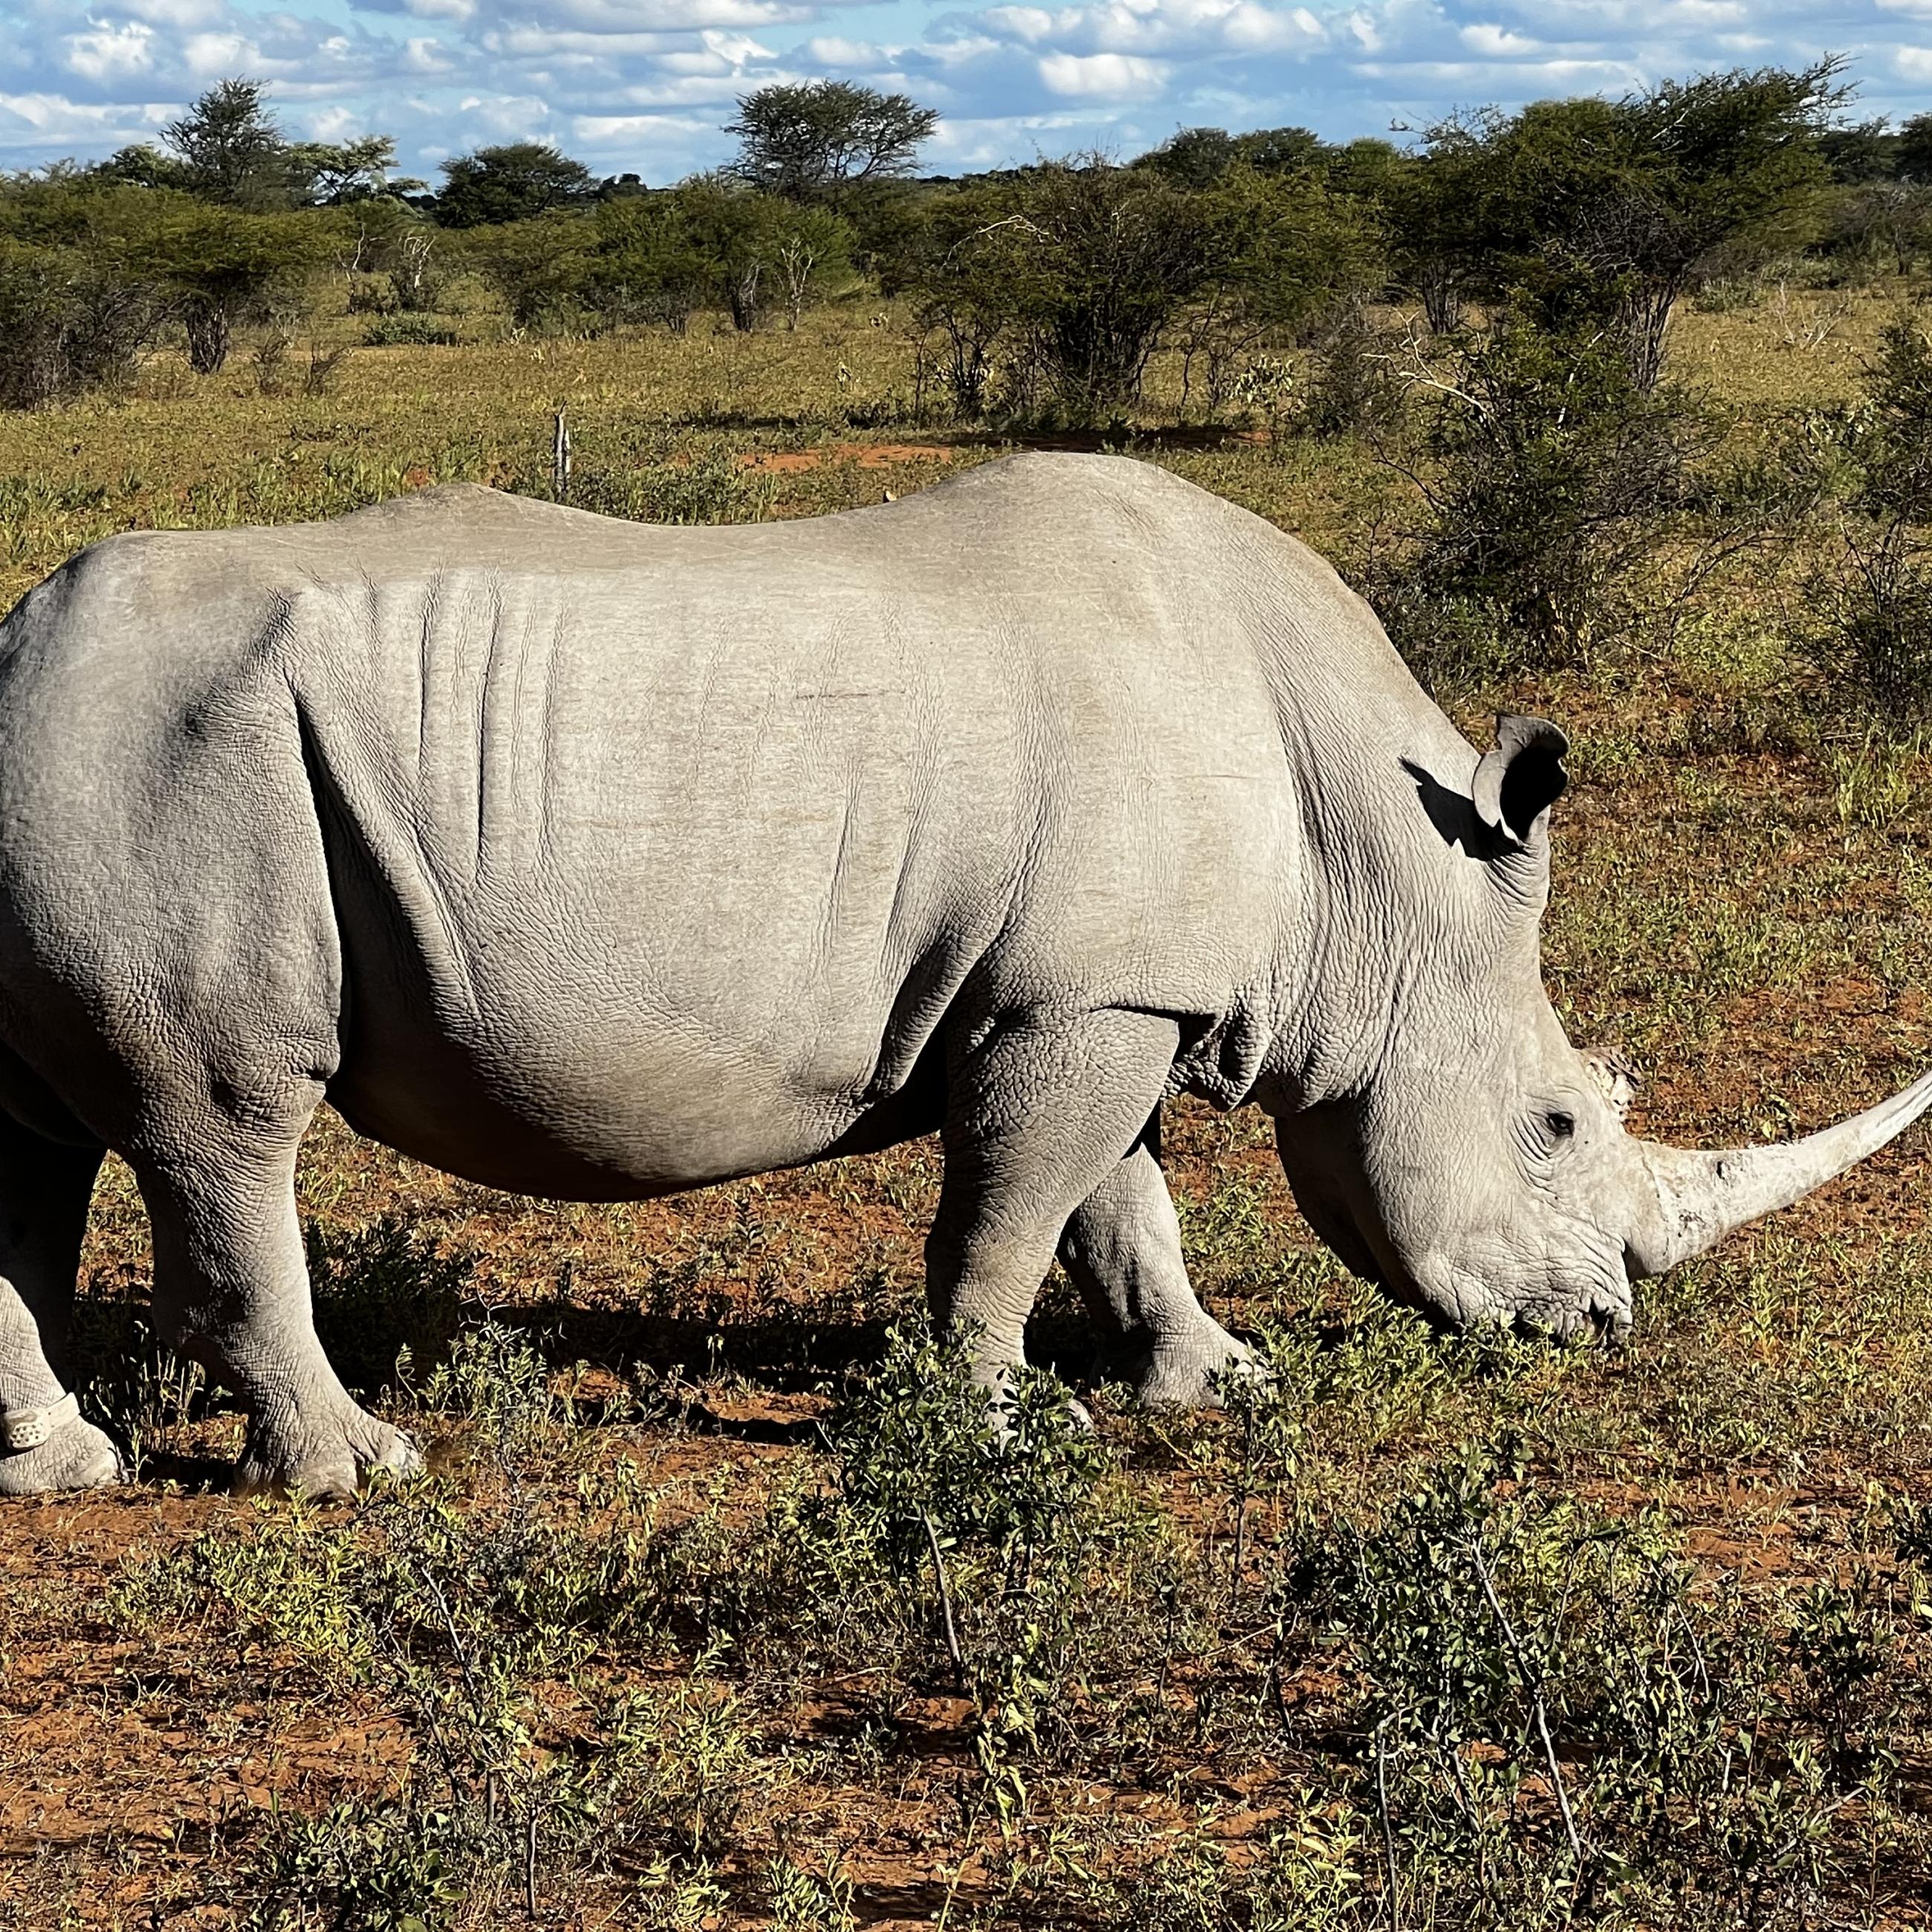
(1557, 1728)
(83, 291)
(1352, 389)
(753, 249)
(1075, 268)
(386, 1301)
(1050, 291)
(1549, 476)
(538, 268)
(916, 1452)
(477, 1626)
(224, 267)
(1873, 635)
(646, 266)
(70, 323)
(713, 487)
(1875, 638)
(1599, 214)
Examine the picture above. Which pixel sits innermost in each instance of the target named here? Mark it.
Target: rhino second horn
(1701, 1196)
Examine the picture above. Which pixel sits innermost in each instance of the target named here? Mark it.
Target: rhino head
(1480, 1170)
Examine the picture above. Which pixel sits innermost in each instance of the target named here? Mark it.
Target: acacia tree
(1072, 269)
(223, 266)
(1912, 153)
(1063, 280)
(80, 296)
(756, 248)
(229, 149)
(646, 266)
(810, 246)
(821, 141)
(537, 268)
(1280, 252)
(1603, 211)
(510, 182)
(1198, 157)
(334, 174)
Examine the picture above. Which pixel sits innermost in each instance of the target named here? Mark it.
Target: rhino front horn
(1701, 1196)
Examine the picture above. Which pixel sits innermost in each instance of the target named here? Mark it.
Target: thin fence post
(559, 458)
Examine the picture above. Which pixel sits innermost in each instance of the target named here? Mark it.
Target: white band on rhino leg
(28, 1428)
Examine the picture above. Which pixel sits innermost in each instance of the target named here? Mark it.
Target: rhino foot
(75, 1455)
(1187, 1371)
(322, 1457)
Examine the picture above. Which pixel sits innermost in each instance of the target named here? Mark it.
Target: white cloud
(1102, 77)
(176, 13)
(1022, 23)
(216, 55)
(828, 52)
(41, 126)
(425, 58)
(1270, 29)
(534, 42)
(1486, 38)
(105, 54)
(675, 16)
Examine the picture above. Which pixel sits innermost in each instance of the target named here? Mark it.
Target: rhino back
(656, 855)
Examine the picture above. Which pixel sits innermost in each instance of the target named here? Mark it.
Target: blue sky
(645, 84)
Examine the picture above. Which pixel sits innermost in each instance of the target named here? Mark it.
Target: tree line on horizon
(1487, 311)
(1048, 284)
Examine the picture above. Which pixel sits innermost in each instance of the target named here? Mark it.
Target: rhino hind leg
(1040, 1114)
(45, 1444)
(1122, 1248)
(232, 1290)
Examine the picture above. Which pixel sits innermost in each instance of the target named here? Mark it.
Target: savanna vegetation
(720, 1606)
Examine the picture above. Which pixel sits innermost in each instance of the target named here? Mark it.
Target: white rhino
(600, 861)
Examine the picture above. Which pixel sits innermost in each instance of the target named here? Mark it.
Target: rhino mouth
(1601, 1323)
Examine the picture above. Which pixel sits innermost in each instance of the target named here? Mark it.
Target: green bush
(758, 250)
(714, 488)
(538, 269)
(1873, 603)
(646, 265)
(1557, 1727)
(1051, 290)
(1551, 479)
(479, 1625)
(386, 1301)
(69, 323)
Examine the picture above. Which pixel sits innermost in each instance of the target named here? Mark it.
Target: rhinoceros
(600, 861)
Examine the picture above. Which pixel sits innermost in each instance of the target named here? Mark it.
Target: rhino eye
(1561, 1125)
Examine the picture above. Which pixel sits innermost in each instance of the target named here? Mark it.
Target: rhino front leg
(1040, 1113)
(45, 1444)
(232, 1289)
(1122, 1248)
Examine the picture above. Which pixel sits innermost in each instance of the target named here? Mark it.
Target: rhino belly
(623, 1112)
(616, 1039)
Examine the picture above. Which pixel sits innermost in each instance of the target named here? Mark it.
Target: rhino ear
(1521, 779)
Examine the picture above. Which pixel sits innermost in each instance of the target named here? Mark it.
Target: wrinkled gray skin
(600, 861)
